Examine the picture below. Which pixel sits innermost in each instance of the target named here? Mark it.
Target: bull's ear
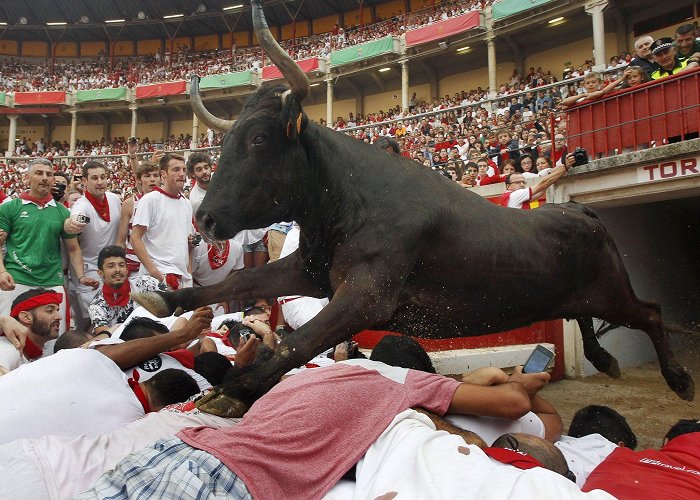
(293, 117)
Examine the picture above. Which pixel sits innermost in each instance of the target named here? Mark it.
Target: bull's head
(258, 179)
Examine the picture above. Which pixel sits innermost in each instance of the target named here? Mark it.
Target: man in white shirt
(199, 167)
(518, 195)
(38, 310)
(162, 229)
(212, 263)
(85, 391)
(103, 209)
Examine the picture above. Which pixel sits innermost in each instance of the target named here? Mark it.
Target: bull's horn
(211, 121)
(297, 79)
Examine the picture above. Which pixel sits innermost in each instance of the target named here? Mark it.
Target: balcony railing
(654, 113)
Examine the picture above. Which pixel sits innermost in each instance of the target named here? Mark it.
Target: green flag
(362, 51)
(112, 94)
(506, 8)
(226, 80)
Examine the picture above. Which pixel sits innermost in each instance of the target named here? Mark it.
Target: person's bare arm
(124, 219)
(15, 331)
(509, 400)
(75, 256)
(133, 352)
(131, 149)
(557, 172)
(7, 282)
(137, 233)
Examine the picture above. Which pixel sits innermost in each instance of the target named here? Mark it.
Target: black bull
(397, 246)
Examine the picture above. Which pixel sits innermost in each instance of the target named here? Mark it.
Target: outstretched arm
(558, 172)
(133, 352)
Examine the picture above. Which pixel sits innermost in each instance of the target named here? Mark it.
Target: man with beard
(39, 311)
(32, 227)
(113, 303)
(103, 209)
(199, 167)
(162, 230)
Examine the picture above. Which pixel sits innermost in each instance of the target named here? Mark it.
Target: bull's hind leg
(601, 359)
(645, 316)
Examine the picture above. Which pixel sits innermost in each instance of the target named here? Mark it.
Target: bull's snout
(207, 226)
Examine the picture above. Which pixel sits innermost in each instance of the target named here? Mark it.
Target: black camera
(580, 156)
(58, 191)
(196, 239)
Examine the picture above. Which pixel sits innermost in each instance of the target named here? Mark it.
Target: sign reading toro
(669, 169)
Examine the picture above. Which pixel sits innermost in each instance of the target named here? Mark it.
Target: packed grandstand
(120, 186)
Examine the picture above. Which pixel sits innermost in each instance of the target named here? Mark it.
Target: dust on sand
(640, 395)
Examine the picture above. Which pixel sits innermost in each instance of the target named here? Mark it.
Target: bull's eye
(259, 139)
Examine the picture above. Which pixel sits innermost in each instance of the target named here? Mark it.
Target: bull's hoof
(154, 303)
(681, 383)
(219, 404)
(613, 369)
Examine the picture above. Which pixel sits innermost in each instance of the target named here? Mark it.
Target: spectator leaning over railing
(518, 195)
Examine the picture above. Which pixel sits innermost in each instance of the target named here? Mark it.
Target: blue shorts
(258, 246)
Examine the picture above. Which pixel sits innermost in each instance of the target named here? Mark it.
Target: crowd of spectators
(462, 128)
(101, 72)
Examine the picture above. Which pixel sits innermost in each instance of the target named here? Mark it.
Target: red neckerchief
(31, 351)
(138, 391)
(222, 337)
(101, 207)
(173, 196)
(117, 296)
(218, 258)
(515, 458)
(41, 203)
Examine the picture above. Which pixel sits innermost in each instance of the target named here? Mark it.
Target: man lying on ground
(85, 391)
(325, 419)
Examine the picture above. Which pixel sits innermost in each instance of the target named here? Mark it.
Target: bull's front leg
(282, 277)
(352, 309)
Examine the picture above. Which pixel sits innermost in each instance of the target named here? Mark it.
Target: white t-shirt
(584, 454)
(491, 428)
(76, 391)
(178, 360)
(58, 467)
(518, 197)
(141, 312)
(297, 310)
(98, 233)
(415, 461)
(168, 222)
(10, 357)
(196, 197)
(210, 267)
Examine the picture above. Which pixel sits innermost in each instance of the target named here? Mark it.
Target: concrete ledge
(464, 360)
(634, 158)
